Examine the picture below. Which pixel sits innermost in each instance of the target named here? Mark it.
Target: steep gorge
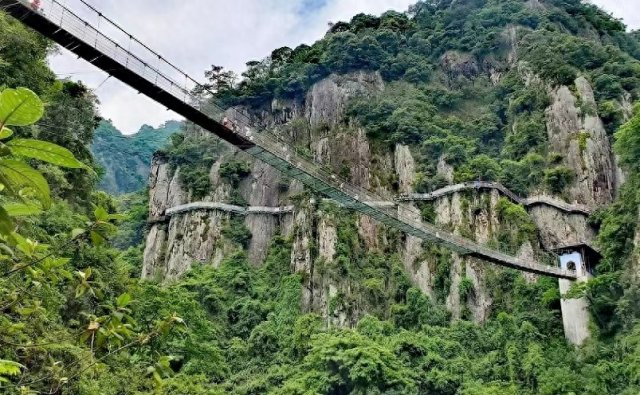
(528, 101)
(526, 95)
(495, 120)
(342, 145)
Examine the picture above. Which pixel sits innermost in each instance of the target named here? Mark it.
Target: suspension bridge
(109, 47)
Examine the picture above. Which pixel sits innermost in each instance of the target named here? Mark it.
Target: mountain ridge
(126, 159)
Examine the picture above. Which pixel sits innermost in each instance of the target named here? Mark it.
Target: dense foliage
(126, 160)
(453, 90)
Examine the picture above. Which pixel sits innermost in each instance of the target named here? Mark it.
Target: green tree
(627, 143)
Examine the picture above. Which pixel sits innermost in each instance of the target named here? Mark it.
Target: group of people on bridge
(236, 128)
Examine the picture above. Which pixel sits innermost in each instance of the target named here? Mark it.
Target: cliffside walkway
(230, 208)
(108, 46)
(410, 197)
(216, 206)
(529, 201)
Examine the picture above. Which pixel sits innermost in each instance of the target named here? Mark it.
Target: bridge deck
(154, 76)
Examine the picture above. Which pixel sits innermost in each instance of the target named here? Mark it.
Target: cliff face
(476, 218)
(635, 264)
(314, 228)
(576, 131)
(193, 236)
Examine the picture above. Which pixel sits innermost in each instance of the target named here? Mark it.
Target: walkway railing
(231, 208)
(150, 73)
(410, 197)
(217, 206)
(529, 201)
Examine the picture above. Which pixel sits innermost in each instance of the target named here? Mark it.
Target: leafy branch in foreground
(31, 269)
(24, 191)
(24, 186)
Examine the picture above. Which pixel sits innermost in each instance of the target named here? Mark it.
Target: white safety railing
(230, 208)
(529, 201)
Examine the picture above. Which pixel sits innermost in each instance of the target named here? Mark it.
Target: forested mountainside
(126, 160)
(537, 95)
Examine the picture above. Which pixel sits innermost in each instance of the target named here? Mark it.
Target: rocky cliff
(576, 131)
(316, 227)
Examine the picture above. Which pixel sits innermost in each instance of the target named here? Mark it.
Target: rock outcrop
(327, 100)
(559, 228)
(196, 236)
(635, 258)
(473, 216)
(317, 124)
(457, 63)
(261, 189)
(576, 132)
(172, 247)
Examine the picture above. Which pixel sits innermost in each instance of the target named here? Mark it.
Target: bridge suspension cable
(150, 73)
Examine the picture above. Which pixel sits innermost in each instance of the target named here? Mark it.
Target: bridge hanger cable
(136, 40)
(102, 83)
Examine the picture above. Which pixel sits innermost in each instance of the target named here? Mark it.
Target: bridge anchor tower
(575, 311)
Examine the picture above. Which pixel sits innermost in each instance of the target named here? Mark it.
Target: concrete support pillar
(575, 314)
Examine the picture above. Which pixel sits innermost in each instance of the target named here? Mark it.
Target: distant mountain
(126, 159)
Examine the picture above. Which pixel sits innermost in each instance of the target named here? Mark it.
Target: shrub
(516, 225)
(521, 176)
(608, 87)
(465, 288)
(194, 156)
(611, 114)
(481, 167)
(529, 135)
(627, 143)
(236, 231)
(426, 184)
(532, 99)
(558, 178)
(235, 171)
(196, 179)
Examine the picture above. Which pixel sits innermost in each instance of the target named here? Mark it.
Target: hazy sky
(194, 34)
